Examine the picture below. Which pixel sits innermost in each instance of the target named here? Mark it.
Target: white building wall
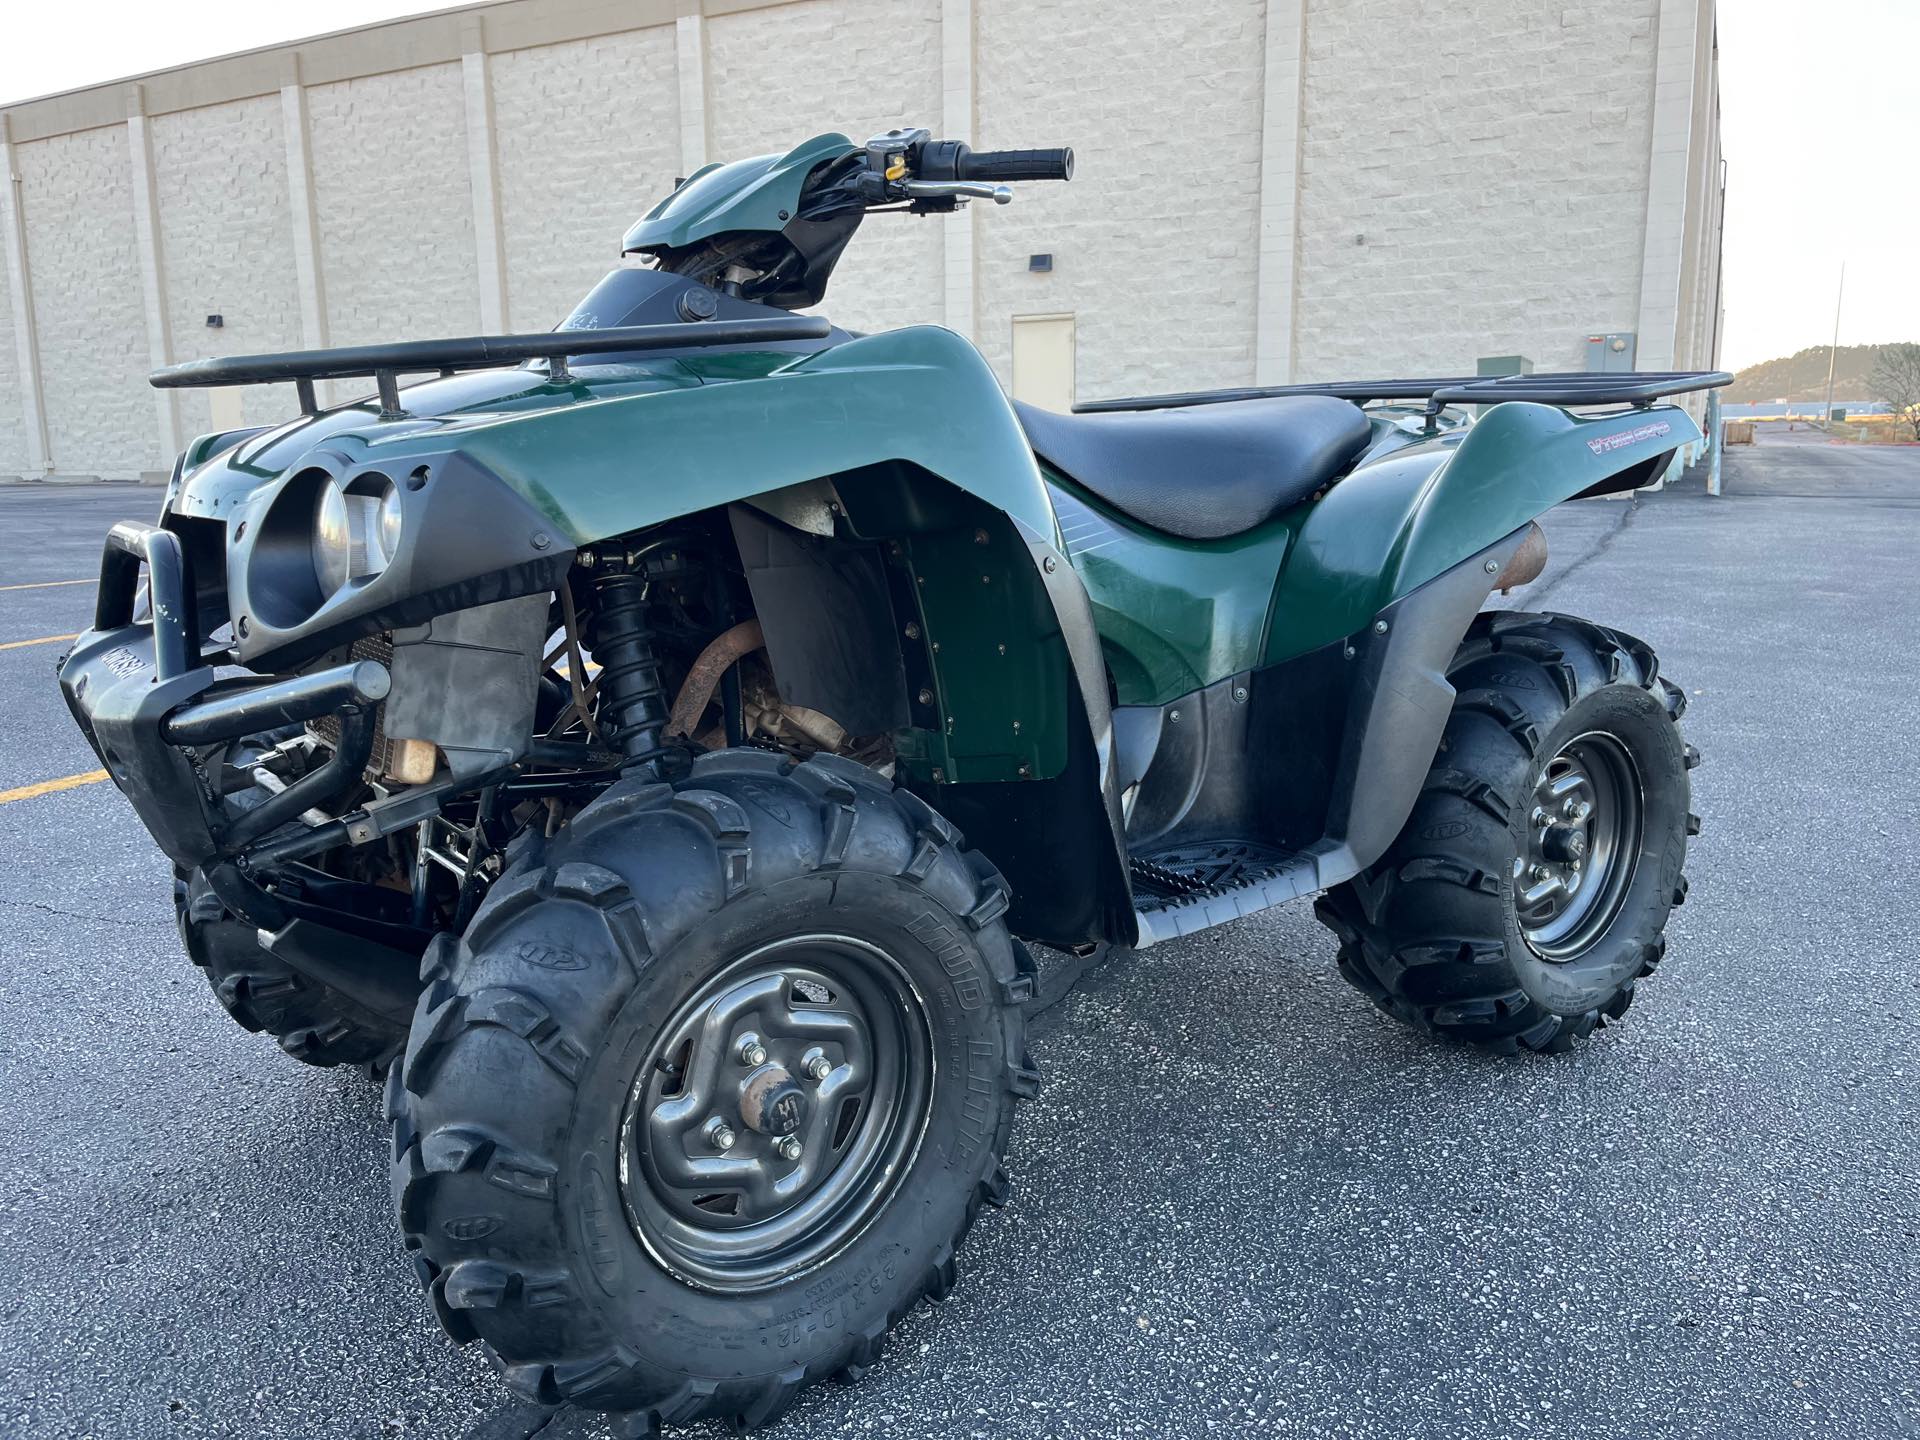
(76, 195)
(587, 135)
(778, 76)
(1154, 241)
(1472, 186)
(396, 215)
(220, 178)
(1270, 189)
(14, 459)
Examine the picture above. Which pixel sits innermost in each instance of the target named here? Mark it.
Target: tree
(1896, 380)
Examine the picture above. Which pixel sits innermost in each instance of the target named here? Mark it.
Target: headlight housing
(356, 531)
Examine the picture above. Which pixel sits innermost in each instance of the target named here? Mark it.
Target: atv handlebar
(938, 176)
(952, 164)
(1015, 164)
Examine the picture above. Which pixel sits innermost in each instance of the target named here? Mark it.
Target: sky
(1820, 115)
(1820, 124)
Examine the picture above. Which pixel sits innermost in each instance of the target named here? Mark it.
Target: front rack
(386, 363)
(1639, 388)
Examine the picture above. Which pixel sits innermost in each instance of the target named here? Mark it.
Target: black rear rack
(386, 363)
(1573, 387)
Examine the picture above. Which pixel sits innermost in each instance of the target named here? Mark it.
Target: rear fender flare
(1397, 523)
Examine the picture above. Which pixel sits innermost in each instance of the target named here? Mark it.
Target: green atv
(659, 739)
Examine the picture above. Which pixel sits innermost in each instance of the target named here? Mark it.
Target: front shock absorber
(633, 701)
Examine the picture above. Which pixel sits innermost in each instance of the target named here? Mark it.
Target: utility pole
(1833, 350)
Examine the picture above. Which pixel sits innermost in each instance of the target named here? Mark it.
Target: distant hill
(1803, 376)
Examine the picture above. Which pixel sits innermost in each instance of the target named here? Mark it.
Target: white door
(225, 408)
(1043, 361)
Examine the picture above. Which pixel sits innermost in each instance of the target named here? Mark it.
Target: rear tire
(576, 1054)
(1467, 926)
(314, 1023)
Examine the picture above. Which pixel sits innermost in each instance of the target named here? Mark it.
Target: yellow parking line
(48, 787)
(43, 640)
(47, 584)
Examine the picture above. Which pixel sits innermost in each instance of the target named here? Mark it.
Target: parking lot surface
(1245, 1202)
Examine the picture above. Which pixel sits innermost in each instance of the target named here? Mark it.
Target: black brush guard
(146, 698)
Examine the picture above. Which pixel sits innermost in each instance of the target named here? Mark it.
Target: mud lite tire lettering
(506, 1120)
(1431, 932)
(955, 957)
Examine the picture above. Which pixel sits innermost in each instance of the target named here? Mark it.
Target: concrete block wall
(588, 139)
(76, 198)
(1267, 190)
(1154, 241)
(13, 423)
(390, 183)
(781, 75)
(220, 178)
(1470, 189)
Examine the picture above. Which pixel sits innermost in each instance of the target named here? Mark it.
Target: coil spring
(633, 701)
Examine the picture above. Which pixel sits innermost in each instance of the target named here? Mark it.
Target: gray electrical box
(1611, 351)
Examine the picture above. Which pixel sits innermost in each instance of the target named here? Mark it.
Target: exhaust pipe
(1527, 562)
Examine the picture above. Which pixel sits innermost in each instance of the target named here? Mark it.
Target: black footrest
(1184, 888)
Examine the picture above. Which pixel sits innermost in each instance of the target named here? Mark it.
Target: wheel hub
(772, 1102)
(1583, 843)
(776, 1111)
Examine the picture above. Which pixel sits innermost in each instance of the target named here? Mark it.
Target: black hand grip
(1018, 165)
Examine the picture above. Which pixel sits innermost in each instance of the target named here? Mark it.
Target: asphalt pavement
(1245, 1202)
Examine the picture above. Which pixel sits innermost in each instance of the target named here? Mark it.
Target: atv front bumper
(152, 705)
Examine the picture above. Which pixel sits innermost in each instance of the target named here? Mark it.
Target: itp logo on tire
(470, 1227)
(547, 955)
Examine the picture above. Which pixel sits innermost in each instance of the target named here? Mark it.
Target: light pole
(1833, 350)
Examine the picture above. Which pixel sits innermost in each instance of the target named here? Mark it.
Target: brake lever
(956, 190)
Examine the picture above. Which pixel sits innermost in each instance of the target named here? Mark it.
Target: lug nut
(818, 1066)
(752, 1052)
(788, 1147)
(720, 1134)
(1540, 872)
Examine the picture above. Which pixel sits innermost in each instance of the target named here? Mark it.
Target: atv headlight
(356, 531)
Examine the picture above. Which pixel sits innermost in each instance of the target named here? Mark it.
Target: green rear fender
(1393, 525)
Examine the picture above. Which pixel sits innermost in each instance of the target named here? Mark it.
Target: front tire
(1528, 894)
(800, 957)
(314, 1023)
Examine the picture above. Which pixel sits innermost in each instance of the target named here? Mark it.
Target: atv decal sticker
(1600, 445)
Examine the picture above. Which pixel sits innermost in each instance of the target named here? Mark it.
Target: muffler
(1527, 562)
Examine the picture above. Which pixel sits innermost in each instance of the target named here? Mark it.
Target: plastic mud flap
(122, 678)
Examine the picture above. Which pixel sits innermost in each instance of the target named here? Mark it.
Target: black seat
(1202, 472)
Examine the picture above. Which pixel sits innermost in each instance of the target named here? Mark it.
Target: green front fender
(1393, 525)
(605, 467)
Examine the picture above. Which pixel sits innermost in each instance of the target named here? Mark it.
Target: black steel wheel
(777, 1112)
(1583, 845)
(712, 1089)
(1528, 894)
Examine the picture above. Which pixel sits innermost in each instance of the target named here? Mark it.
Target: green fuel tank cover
(757, 194)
